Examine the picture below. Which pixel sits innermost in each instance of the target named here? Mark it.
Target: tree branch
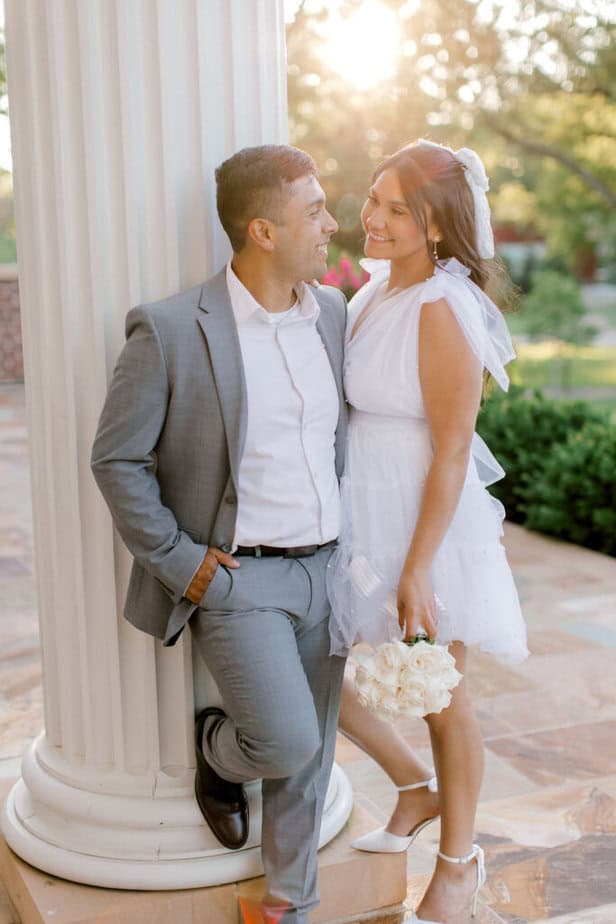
(540, 149)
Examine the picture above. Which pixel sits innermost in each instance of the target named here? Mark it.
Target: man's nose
(330, 223)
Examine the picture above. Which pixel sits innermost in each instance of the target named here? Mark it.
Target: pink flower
(332, 277)
(346, 276)
(355, 281)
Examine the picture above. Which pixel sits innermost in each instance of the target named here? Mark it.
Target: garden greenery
(560, 459)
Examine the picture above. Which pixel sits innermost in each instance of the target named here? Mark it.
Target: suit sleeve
(124, 459)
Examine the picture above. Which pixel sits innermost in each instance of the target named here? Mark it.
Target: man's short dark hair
(254, 184)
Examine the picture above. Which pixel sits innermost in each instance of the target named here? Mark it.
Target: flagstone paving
(547, 816)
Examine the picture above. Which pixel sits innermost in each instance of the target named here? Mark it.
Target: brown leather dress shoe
(223, 804)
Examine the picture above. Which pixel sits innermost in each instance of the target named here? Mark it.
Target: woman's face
(391, 231)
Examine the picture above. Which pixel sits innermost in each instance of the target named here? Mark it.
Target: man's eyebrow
(319, 201)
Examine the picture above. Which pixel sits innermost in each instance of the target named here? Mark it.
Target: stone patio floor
(547, 817)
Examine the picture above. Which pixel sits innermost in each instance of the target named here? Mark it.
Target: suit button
(225, 547)
(230, 500)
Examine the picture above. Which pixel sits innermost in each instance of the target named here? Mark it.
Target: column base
(134, 842)
(354, 887)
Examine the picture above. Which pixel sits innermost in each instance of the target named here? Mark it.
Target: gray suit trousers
(263, 632)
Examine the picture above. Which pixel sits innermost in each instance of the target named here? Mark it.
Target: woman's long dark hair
(430, 175)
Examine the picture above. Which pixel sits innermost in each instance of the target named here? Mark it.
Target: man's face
(305, 227)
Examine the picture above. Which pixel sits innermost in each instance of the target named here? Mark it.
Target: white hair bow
(477, 179)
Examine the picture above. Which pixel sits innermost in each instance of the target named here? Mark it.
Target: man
(218, 452)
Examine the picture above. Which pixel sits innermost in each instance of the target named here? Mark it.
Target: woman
(420, 549)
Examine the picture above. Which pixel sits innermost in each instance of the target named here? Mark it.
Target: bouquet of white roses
(409, 679)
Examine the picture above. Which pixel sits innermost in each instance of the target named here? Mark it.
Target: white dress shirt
(288, 492)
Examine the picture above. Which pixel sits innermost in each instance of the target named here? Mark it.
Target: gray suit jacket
(170, 439)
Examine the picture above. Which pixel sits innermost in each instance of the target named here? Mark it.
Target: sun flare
(364, 46)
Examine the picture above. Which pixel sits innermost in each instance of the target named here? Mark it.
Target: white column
(120, 111)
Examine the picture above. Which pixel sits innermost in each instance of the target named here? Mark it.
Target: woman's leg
(387, 747)
(458, 757)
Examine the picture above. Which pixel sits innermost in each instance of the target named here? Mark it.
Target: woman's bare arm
(451, 381)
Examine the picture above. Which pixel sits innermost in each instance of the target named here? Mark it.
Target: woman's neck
(410, 270)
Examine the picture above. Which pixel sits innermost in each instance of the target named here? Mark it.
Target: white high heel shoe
(382, 841)
(475, 854)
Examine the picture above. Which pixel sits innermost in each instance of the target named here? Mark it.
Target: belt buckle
(258, 553)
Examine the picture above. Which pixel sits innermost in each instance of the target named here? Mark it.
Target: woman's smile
(379, 238)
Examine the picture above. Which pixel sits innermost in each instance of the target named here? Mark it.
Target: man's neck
(273, 293)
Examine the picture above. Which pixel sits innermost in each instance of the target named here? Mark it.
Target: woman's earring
(435, 248)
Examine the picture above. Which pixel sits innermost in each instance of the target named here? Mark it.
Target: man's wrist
(201, 578)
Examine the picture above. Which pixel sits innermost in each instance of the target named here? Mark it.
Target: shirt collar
(246, 307)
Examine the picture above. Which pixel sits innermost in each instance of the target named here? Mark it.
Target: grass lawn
(586, 372)
(538, 365)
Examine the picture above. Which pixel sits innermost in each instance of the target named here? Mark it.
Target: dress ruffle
(480, 319)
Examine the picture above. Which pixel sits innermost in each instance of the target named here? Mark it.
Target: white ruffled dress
(389, 454)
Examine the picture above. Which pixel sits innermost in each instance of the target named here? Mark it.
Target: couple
(220, 452)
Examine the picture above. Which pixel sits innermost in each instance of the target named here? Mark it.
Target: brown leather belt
(271, 551)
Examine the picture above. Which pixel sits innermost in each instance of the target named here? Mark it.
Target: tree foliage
(531, 84)
(554, 308)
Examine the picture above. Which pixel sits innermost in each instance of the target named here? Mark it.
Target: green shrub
(554, 308)
(573, 495)
(522, 432)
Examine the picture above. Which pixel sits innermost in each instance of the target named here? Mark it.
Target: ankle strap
(475, 854)
(431, 784)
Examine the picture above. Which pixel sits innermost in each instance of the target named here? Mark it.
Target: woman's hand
(416, 604)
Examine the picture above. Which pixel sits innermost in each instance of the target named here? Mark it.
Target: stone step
(355, 888)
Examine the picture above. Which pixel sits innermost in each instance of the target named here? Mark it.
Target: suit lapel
(326, 326)
(218, 324)
(333, 340)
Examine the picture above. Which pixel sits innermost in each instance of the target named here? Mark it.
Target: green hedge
(575, 494)
(560, 459)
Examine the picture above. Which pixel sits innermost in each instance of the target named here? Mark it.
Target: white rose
(389, 657)
(436, 700)
(437, 695)
(411, 701)
(450, 678)
(369, 695)
(426, 658)
(409, 677)
(382, 666)
(364, 681)
(362, 676)
(388, 707)
(379, 699)
(434, 661)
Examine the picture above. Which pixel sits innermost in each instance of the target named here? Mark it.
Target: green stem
(419, 638)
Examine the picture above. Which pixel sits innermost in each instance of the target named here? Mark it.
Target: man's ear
(260, 230)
